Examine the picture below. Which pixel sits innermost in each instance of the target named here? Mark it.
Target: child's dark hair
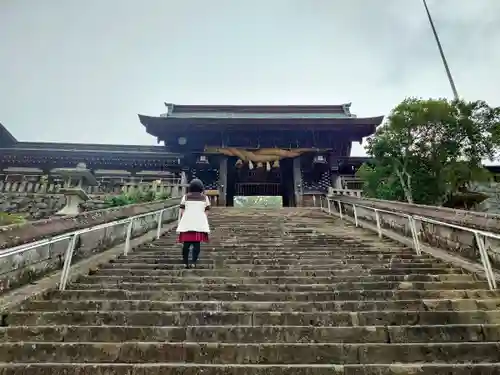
(196, 186)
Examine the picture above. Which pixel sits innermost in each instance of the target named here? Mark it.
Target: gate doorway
(260, 182)
(252, 189)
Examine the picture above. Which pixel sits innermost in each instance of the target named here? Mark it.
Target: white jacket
(194, 218)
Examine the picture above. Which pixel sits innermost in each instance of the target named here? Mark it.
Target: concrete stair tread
(317, 318)
(266, 268)
(228, 272)
(253, 334)
(246, 369)
(268, 274)
(175, 252)
(286, 253)
(250, 262)
(268, 352)
(169, 254)
(102, 276)
(221, 264)
(350, 286)
(58, 305)
(347, 295)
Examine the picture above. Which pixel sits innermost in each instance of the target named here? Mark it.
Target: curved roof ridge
(259, 108)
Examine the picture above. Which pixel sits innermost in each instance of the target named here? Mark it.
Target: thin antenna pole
(441, 52)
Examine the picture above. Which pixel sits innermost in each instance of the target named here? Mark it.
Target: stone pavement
(287, 291)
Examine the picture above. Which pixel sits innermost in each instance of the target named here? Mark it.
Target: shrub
(134, 197)
(8, 219)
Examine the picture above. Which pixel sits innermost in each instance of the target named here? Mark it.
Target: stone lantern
(76, 181)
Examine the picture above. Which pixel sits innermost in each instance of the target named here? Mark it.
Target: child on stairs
(193, 227)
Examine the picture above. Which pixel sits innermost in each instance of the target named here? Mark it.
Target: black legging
(185, 251)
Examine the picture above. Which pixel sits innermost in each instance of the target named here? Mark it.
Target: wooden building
(290, 151)
(115, 166)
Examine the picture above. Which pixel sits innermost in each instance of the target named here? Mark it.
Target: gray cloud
(80, 71)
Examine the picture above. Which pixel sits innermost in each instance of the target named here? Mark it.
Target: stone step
(348, 286)
(227, 272)
(284, 262)
(173, 254)
(286, 306)
(398, 268)
(189, 318)
(104, 277)
(272, 254)
(288, 249)
(246, 369)
(258, 239)
(353, 295)
(280, 249)
(275, 291)
(252, 334)
(284, 251)
(262, 353)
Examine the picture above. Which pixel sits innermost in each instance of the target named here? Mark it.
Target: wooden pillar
(223, 181)
(333, 165)
(297, 182)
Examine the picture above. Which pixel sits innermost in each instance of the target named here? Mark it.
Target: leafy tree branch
(428, 151)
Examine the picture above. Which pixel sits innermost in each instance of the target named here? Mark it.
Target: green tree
(428, 150)
(380, 182)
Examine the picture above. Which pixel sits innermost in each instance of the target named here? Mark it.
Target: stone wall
(18, 234)
(25, 267)
(492, 203)
(39, 206)
(448, 237)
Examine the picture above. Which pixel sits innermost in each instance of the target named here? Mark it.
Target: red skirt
(193, 237)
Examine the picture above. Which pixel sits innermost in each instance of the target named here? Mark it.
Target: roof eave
(149, 120)
(6, 136)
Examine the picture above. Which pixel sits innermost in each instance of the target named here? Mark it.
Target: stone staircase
(276, 292)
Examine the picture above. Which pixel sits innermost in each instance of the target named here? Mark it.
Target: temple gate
(287, 151)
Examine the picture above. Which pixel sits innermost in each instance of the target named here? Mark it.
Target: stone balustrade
(36, 185)
(451, 238)
(37, 197)
(345, 192)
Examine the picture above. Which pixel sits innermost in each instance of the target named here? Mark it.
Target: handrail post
(126, 249)
(379, 227)
(314, 201)
(490, 276)
(160, 222)
(340, 210)
(414, 234)
(68, 256)
(356, 222)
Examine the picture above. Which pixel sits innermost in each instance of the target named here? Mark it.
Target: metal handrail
(479, 235)
(73, 236)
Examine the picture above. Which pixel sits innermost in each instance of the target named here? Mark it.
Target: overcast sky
(81, 70)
